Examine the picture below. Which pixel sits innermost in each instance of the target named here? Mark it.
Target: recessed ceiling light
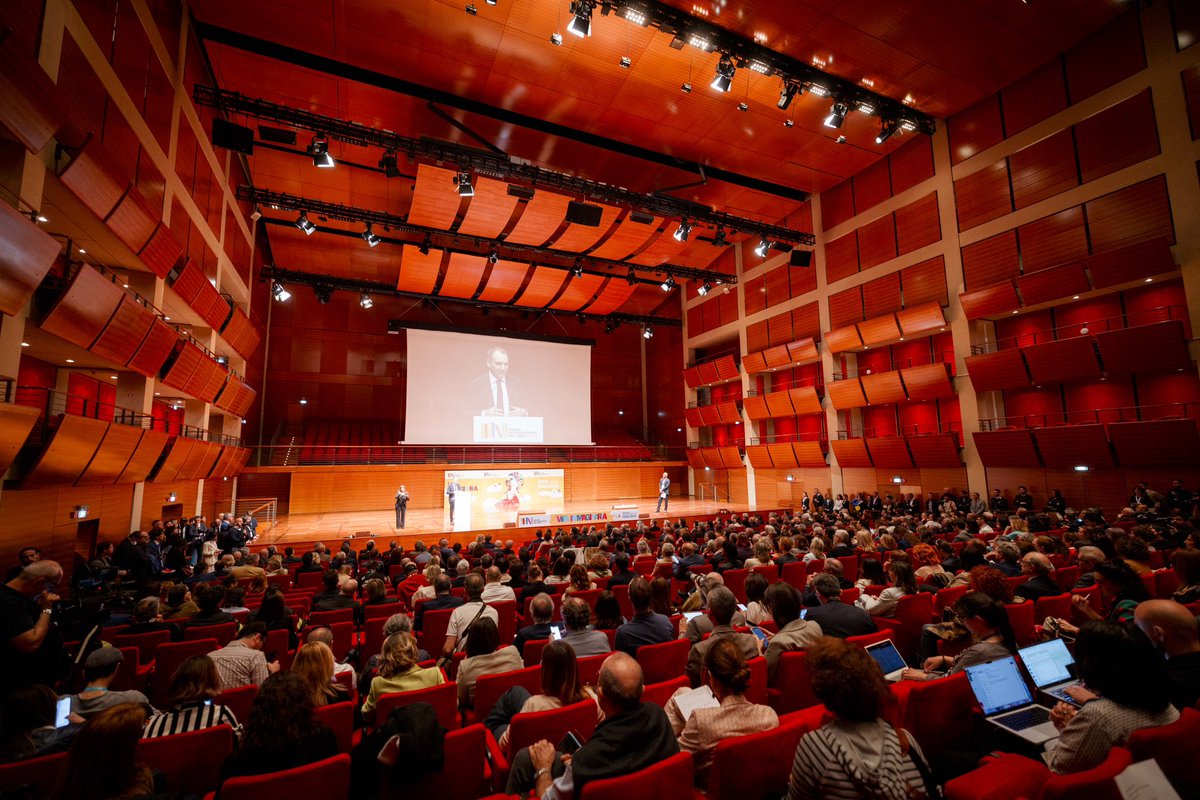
(112, 377)
(168, 319)
(24, 344)
(156, 394)
(124, 285)
(1076, 297)
(1149, 279)
(70, 361)
(84, 252)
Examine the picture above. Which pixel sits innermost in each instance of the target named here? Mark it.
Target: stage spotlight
(788, 93)
(761, 248)
(318, 148)
(471, 9)
(581, 23)
(577, 270)
(647, 332)
(686, 88)
(281, 294)
(723, 80)
(369, 236)
(719, 239)
(886, 129)
(837, 115)
(556, 39)
(631, 277)
(388, 164)
(425, 245)
(463, 182)
(704, 290)
(682, 232)
(626, 62)
(493, 256)
(668, 284)
(365, 300)
(305, 224)
(323, 293)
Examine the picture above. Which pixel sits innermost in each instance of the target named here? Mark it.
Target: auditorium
(599, 399)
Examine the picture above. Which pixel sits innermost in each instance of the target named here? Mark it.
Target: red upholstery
(1174, 747)
(1058, 606)
(662, 662)
(488, 688)
(552, 725)
(912, 612)
(309, 579)
(339, 718)
(328, 780)
(768, 571)
(531, 652)
(433, 630)
(373, 637)
(621, 592)
(381, 611)
(1093, 784)
(1165, 583)
(1003, 778)
(946, 598)
(190, 761)
(1021, 618)
(318, 619)
(660, 693)
(589, 667)
(146, 643)
(771, 754)
(756, 692)
(795, 573)
(815, 566)
(167, 659)
(792, 687)
(849, 567)
(1065, 577)
(130, 674)
(343, 638)
(443, 698)
(40, 774)
(870, 638)
(465, 776)
(938, 713)
(239, 701)
(506, 611)
(850, 596)
(669, 778)
(735, 581)
(223, 632)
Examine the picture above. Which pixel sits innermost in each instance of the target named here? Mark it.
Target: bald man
(634, 735)
(1173, 631)
(31, 648)
(1038, 569)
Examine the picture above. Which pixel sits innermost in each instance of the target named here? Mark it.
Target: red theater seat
(328, 779)
(662, 662)
(191, 761)
(669, 778)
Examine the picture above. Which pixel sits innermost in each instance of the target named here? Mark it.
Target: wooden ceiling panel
(26, 257)
(418, 273)
(612, 296)
(542, 216)
(84, 310)
(661, 250)
(463, 273)
(504, 282)
(578, 238)
(542, 287)
(626, 238)
(490, 209)
(579, 292)
(435, 200)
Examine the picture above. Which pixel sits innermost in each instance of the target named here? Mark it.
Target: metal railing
(936, 357)
(300, 454)
(712, 492)
(1132, 319)
(816, 381)
(915, 429)
(1093, 416)
(788, 438)
(264, 509)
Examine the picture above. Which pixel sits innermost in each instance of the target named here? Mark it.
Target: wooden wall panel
(112, 455)
(1191, 88)
(84, 308)
(983, 195)
(918, 224)
(180, 448)
(162, 252)
(850, 452)
(975, 129)
(70, 449)
(46, 514)
(187, 361)
(1106, 57)
(1044, 169)
(837, 205)
(1141, 211)
(841, 257)
(877, 242)
(883, 388)
(143, 459)
(845, 307)
(15, 424)
(879, 329)
(125, 332)
(1117, 137)
(134, 220)
(871, 186)
(922, 318)
(186, 494)
(991, 260)
(846, 394)
(91, 176)
(1039, 95)
(26, 257)
(911, 163)
(1050, 284)
(159, 342)
(925, 282)
(1053, 240)
(881, 295)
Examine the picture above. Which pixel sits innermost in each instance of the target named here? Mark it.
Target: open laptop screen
(998, 685)
(1048, 662)
(887, 656)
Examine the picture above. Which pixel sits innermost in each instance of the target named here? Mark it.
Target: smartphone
(759, 632)
(555, 633)
(804, 613)
(570, 743)
(62, 713)
(742, 607)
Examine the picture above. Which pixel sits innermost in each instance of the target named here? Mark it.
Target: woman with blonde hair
(816, 550)
(427, 592)
(863, 541)
(314, 666)
(275, 566)
(398, 671)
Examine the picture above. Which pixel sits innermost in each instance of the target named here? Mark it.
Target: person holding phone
(32, 650)
(35, 722)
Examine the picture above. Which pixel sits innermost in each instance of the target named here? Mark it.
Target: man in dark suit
(441, 599)
(452, 489)
(401, 505)
(494, 394)
(622, 574)
(835, 617)
(687, 560)
(1037, 568)
(541, 610)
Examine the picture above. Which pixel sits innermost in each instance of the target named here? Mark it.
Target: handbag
(446, 662)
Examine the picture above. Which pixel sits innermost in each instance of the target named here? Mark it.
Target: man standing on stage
(664, 490)
(451, 490)
(401, 505)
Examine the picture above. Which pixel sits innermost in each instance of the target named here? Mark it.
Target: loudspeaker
(584, 214)
(237, 138)
(800, 258)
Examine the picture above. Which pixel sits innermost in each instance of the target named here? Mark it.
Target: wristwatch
(541, 772)
(47, 610)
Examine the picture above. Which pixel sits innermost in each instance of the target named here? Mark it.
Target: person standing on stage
(451, 490)
(664, 490)
(401, 505)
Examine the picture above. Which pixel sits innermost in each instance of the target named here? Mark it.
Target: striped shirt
(855, 761)
(190, 717)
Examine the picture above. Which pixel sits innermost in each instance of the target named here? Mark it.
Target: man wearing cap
(99, 670)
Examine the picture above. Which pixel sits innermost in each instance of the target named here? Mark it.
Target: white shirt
(499, 393)
(463, 616)
(497, 592)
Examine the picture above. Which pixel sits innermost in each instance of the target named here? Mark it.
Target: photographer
(32, 649)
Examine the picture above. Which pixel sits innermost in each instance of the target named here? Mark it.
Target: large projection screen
(487, 390)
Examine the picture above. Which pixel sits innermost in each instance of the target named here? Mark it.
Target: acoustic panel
(883, 388)
(1067, 446)
(180, 448)
(162, 252)
(435, 199)
(924, 318)
(66, 455)
(846, 394)
(612, 297)
(90, 177)
(490, 209)
(842, 340)
(27, 253)
(125, 332)
(756, 407)
(542, 287)
(84, 309)
(889, 452)
(134, 220)
(1006, 448)
(1159, 347)
(809, 454)
(1132, 262)
(782, 455)
(990, 301)
(626, 238)
(878, 330)
(661, 250)
(803, 351)
(418, 273)
(1051, 284)
(463, 274)
(1004, 369)
(851, 453)
(155, 348)
(579, 292)
(187, 360)
(1063, 360)
(31, 106)
(16, 423)
(759, 456)
(805, 400)
(577, 237)
(934, 450)
(541, 217)
(111, 457)
(927, 382)
(779, 404)
(1157, 443)
(754, 363)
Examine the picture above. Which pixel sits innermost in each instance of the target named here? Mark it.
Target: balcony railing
(1130, 320)
(936, 357)
(796, 383)
(300, 454)
(915, 429)
(1092, 416)
(788, 438)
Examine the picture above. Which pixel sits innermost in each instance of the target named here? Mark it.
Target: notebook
(888, 658)
(1007, 702)
(1051, 667)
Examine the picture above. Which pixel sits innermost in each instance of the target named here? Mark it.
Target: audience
(484, 657)
(1186, 565)
(560, 686)
(606, 616)
(721, 607)
(465, 616)
(991, 637)
(27, 728)
(99, 671)
(903, 582)
(190, 705)
(1120, 588)
(1171, 628)
(647, 625)
(242, 662)
(314, 666)
(102, 762)
(795, 633)
(833, 617)
(541, 611)
(398, 671)
(577, 630)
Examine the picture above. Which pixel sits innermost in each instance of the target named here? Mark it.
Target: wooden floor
(431, 523)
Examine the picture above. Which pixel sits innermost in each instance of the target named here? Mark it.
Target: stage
(429, 525)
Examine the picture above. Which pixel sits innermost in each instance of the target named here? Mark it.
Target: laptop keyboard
(1026, 718)
(1061, 694)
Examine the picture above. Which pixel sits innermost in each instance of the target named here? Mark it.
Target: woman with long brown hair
(560, 686)
(101, 764)
(190, 704)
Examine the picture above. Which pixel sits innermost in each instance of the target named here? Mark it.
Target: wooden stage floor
(430, 524)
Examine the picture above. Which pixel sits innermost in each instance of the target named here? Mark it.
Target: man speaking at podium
(494, 394)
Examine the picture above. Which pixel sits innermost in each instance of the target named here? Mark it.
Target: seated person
(646, 627)
(148, 613)
(102, 762)
(858, 753)
(398, 671)
(242, 661)
(756, 587)
(903, 583)
(1186, 564)
(580, 581)
(190, 704)
(465, 615)
(1128, 688)
(1171, 628)
(1121, 589)
(991, 637)
(314, 666)
(275, 615)
(541, 610)
(794, 633)
(99, 670)
(209, 597)
(282, 732)
(484, 657)
(727, 675)
(560, 686)
(694, 629)
(27, 724)
(1037, 567)
(441, 599)
(607, 614)
(577, 630)
(181, 606)
(834, 617)
(721, 606)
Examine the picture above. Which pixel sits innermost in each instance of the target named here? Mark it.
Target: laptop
(1051, 667)
(888, 658)
(1007, 702)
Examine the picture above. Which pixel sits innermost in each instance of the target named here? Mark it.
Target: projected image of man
(494, 393)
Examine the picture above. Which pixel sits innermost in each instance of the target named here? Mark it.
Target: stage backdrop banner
(491, 498)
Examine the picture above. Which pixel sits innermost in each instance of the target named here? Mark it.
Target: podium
(507, 430)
